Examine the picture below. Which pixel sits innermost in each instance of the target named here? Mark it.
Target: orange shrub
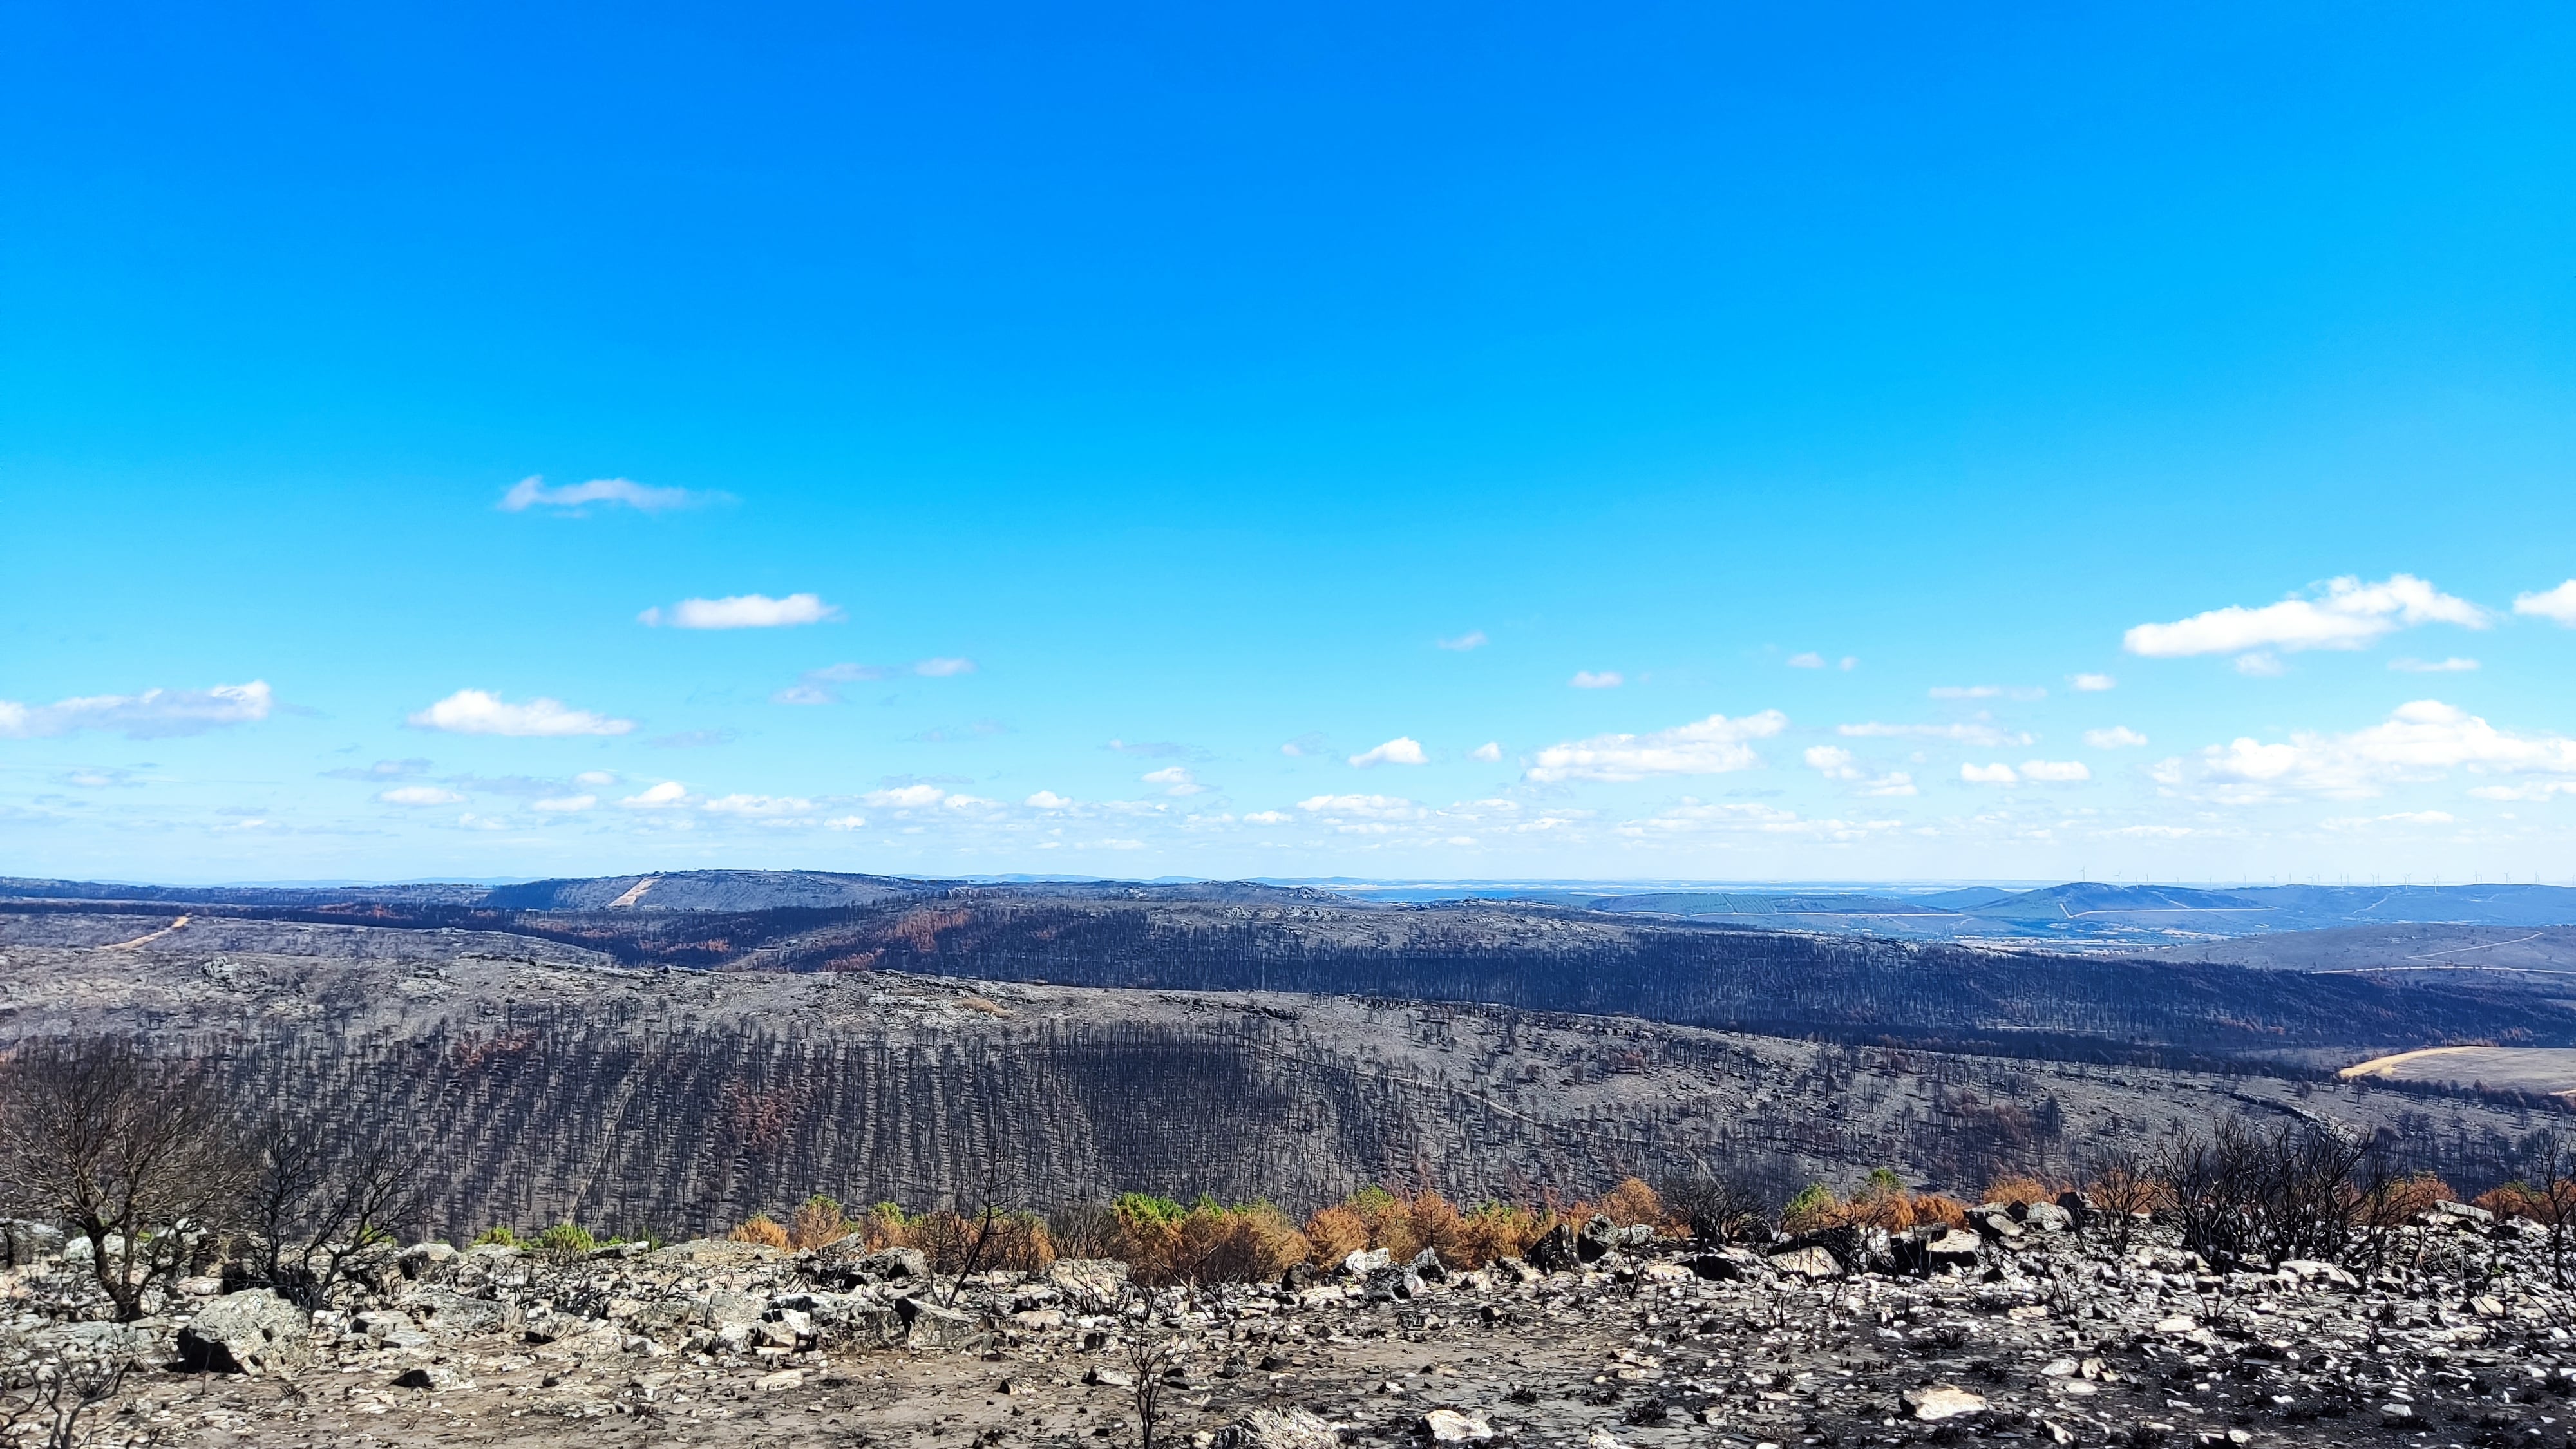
(2019, 1189)
(816, 1221)
(763, 1229)
(1335, 1233)
(2540, 1204)
(1404, 1225)
(1633, 1204)
(2406, 1197)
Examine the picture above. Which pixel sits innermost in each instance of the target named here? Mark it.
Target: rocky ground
(2021, 1330)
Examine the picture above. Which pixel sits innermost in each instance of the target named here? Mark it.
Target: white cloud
(1176, 778)
(804, 694)
(420, 795)
(1490, 752)
(1980, 732)
(1808, 660)
(1694, 817)
(941, 668)
(1402, 750)
(1047, 800)
(1711, 746)
(2261, 664)
(1985, 691)
(2402, 817)
(2092, 683)
(2419, 741)
(532, 492)
(1367, 807)
(905, 797)
(1268, 817)
(2350, 615)
(565, 804)
(846, 822)
(668, 794)
(480, 712)
(2055, 772)
(2452, 665)
(1305, 746)
(2117, 737)
(1472, 639)
(1850, 663)
(2152, 832)
(742, 611)
(1606, 679)
(1995, 774)
(154, 714)
(2557, 605)
(2528, 790)
(757, 805)
(1836, 763)
(595, 777)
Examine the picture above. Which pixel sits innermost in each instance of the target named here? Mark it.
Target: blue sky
(1131, 403)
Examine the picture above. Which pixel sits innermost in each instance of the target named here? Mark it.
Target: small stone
(1943, 1402)
(1448, 1426)
(783, 1379)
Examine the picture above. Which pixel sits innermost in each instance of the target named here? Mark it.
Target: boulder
(1941, 1401)
(1427, 1265)
(2046, 1217)
(1365, 1261)
(1953, 1248)
(1277, 1429)
(895, 1265)
(1806, 1262)
(1448, 1426)
(927, 1325)
(1555, 1251)
(23, 1242)
(247, 1332)
(428, 1262)
(1089, 1280)
(1394, 1283)
(1726, 1265)
(450, 1315)
(1599, 1239)
(1510, 1271)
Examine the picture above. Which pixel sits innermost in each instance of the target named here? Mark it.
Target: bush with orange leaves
(1206, 1242)
(1882, 1202)
(760, 1228)
(2019, 1190)
(1406, 1223)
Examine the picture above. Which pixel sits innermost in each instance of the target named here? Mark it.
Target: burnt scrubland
(737, 1157)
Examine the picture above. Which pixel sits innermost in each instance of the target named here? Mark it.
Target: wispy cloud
(1836, 763)
(742, 611)
(1472, 639)
(1490, 752)
(1711, 746)
(1175, 780)
(479, 712)
(420, 795)
(1156, 749)
(1402, 750)
(1808, 660)
(153, 714)
(1307, 746)
(380, 770)
(2557, 605)
(2117, 737)
(565, 804)
(814, 685)
(2092, 683)
(668, 795)
(1981, 732)
(1994, 774)
(1606, 679)
(694, 739)
(2349, 614)
(2055, 772)
(2452, 665)
(532, 492)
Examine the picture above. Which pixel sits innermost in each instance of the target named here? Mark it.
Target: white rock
(1448, 1426)
(1941, 1401)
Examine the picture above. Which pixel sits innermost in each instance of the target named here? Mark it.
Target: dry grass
(760, 1228)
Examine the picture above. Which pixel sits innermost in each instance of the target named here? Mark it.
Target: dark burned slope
(1531, 957)
(1774, 983)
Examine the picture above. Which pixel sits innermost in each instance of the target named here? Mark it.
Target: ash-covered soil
(2021, 1330)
